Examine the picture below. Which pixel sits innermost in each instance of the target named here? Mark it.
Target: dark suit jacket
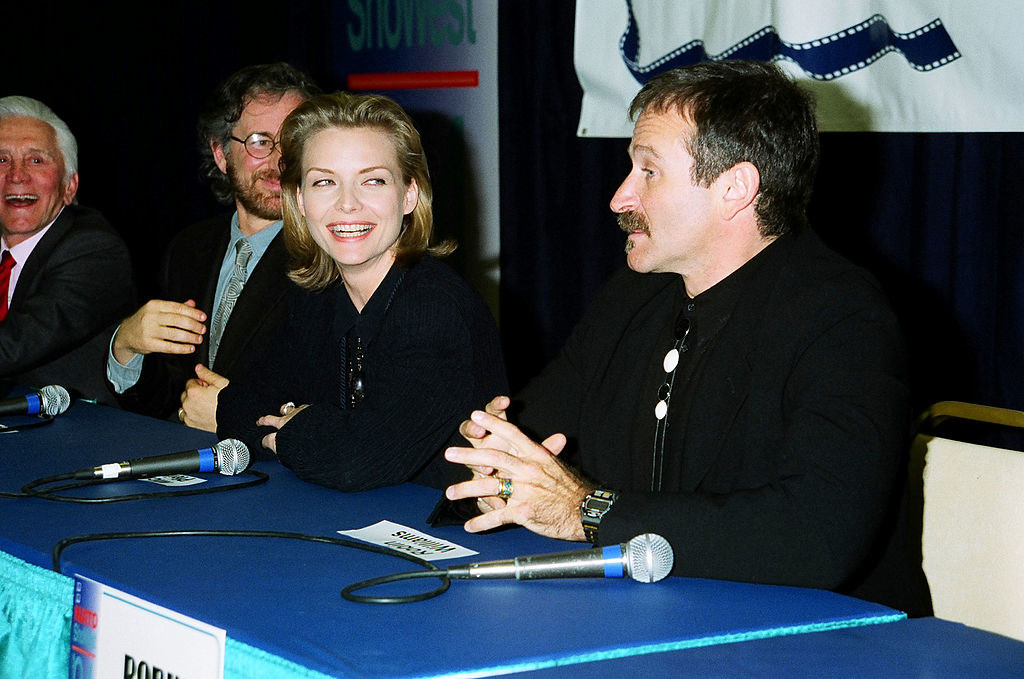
(787, 467)
(190, 271)
(75, 284)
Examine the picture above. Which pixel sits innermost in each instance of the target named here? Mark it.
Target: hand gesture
(540, 492)
(199, 400)
(162, 327)
(288, 411)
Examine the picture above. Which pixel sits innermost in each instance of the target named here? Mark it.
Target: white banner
(874, 65)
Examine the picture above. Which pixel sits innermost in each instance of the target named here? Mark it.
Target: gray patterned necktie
(231, 294)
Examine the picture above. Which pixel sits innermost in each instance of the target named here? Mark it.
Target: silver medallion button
(671, 360)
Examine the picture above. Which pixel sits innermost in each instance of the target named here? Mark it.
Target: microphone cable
(432, 571)
(31, 489)
(39, 421)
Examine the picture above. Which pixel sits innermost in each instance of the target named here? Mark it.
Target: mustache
(633, 221)
(266, 173)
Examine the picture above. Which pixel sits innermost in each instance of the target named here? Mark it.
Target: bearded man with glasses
(223, 280)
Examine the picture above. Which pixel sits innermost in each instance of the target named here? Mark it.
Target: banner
(873, 65)
(439, 60)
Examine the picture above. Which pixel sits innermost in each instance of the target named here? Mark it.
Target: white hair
(33, 108)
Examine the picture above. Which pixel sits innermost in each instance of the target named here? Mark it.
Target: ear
(412, 196)
(70, 189)
(298, 201)
(739, 187)
(218, 156)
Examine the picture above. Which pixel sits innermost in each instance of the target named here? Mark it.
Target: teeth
(350, 229)
(21, 196)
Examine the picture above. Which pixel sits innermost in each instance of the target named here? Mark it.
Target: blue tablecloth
(279, 600)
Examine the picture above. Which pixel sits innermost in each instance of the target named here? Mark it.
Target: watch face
(598, 505)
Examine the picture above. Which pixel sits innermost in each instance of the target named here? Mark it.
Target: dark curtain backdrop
(130, 81)
(936, 217)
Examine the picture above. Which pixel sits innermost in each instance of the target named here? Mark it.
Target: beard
(632, 222)
(257, 201)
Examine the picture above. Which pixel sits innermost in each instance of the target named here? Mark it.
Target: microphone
(229, 457)
(48, 401)
(645, 558)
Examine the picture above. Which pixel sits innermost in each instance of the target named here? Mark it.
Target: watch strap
(593, 508)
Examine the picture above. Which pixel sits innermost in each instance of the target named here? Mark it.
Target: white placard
(175, 480)
(115, 634)
(405, 539)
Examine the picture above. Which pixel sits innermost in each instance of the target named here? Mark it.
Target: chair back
(972, 525)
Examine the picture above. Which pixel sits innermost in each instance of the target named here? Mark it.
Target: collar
(714, 306)
(22, 250)
(367, 323)
(259, 241)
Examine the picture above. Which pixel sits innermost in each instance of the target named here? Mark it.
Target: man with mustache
(65, 274)
(740, 389)
(224, 279)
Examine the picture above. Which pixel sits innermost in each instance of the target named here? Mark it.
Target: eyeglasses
(257, 145)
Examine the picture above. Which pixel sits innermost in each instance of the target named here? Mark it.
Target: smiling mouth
(21, 199)
(350, 230)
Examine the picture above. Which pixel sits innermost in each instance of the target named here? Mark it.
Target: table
(926, 648)
(279, 600)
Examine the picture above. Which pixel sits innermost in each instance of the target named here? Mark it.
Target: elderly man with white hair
(65, 274)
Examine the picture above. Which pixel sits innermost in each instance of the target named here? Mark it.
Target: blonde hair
(311, 267)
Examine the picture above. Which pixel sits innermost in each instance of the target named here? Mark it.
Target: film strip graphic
(826, 58)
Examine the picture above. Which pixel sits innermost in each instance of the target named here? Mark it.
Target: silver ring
(181, 415)
(505, 488)
(287, 407)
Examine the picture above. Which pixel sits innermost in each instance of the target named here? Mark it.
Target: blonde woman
(386, 349)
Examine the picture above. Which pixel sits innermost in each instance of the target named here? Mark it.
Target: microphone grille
(54, 400)
(232, 457)
(649, 557)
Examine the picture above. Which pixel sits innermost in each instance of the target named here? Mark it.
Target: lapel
(263, 292)
(31, 272)
(194, 270)
(725, 381)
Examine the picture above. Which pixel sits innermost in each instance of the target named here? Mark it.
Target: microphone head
(648, 557)
(54, 400)
(232, 457)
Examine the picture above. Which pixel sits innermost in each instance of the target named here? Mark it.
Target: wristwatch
(592, 510)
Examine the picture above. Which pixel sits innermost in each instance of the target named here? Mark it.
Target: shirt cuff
(122, 377)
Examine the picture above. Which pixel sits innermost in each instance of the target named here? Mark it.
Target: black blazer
(190, 271)
(76, 283)
(787, 468)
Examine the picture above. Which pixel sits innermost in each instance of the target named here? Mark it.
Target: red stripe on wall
(422, 80)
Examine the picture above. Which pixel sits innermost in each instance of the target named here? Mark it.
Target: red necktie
(6, 264)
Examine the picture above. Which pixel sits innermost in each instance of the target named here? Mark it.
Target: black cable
(397, 577)
(432, 570)
(42, 419)
(29, 489)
